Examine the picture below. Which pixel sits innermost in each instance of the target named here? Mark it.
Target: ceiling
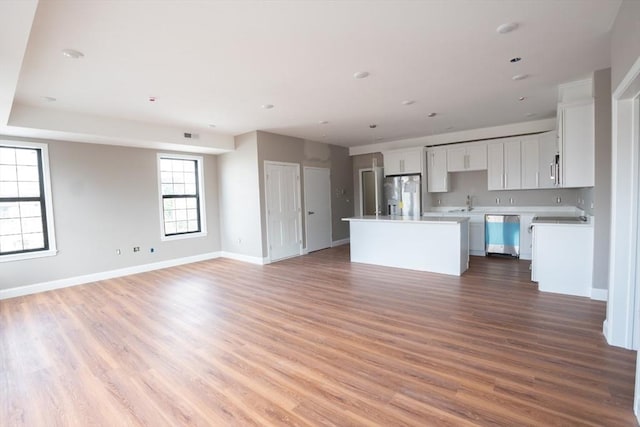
(217, 62)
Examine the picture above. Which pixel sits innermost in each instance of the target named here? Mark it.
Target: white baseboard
(605, 331)
(599, 294)
(244, 258)
(340, 242)
(104, 275)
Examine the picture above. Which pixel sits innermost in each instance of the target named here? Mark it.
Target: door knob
(310, 212)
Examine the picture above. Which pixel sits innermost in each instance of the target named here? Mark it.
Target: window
(181, 196)
(26, 218)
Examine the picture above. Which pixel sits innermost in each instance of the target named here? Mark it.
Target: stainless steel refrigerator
(403, 195)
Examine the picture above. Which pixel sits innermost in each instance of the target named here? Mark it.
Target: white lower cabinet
(563, 258)
(476, 235)
(526, 236)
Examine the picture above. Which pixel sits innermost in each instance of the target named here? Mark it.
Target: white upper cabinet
(403, 162)
(503, 161)
(467, 157)
(547, 151)
(437, 176)
(538, 160)
(530, 148)
(577, 144)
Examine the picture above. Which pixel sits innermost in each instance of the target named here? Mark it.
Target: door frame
(266, 206)
(306, 223)
(360, 171)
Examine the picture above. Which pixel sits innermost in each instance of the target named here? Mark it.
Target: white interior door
(284, 230)
(317, 201)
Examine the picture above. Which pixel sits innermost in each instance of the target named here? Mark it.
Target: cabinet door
(495, 166)
(526, 236)
(512, 170)
(547, 150)
(578, 145)
(476, 238)
(412, 161)
(529, 163)
(392, 162)
(456, 159)
(476, 157)
(437, 178)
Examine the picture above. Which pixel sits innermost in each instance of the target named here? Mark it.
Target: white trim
(623, 274)
(340, 242)
(244, 258)
(360, 172)
(48, 201)
(201, 192)
(104, 275)
(599, 294)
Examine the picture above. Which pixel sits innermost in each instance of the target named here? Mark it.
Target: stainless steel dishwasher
(502, 234)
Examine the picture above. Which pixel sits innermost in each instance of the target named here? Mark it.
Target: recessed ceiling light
(515, 59)
(408, 102)
(267, 106)
(431, 115)
(373, 126)
(507, 28)
(520, 76)
(152, 99)
(49, 98)
(323, 122)
(522, 98)
(72, 53)
(360, 75)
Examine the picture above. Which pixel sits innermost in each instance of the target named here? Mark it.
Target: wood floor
(311, 341)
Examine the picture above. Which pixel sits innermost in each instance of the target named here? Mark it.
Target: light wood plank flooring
(311, 341)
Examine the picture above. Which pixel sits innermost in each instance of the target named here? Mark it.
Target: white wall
(240, 227)
(106, 198)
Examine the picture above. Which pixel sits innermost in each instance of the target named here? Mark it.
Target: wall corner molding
(599, 294)
(340, 242)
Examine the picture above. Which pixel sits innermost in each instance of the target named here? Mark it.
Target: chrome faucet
(469, 205)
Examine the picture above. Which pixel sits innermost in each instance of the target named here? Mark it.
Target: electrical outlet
(118, 252)
(497, 200)
(510, 200)
(136, 249)
(558, 200)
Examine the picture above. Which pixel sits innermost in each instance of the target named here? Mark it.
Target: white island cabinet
(563, 258)
(435, 244)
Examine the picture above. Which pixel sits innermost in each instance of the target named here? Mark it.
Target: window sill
(28, 255)
(183, 236)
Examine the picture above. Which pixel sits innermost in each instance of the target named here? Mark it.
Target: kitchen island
(434, 244)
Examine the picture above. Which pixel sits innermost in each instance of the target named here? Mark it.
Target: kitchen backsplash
(474, 184)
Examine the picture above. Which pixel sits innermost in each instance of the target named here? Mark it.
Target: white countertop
(420, 220)
(587, 223)
(481, 210)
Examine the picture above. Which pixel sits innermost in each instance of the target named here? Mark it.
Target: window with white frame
(26, 217)
(181, 195)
